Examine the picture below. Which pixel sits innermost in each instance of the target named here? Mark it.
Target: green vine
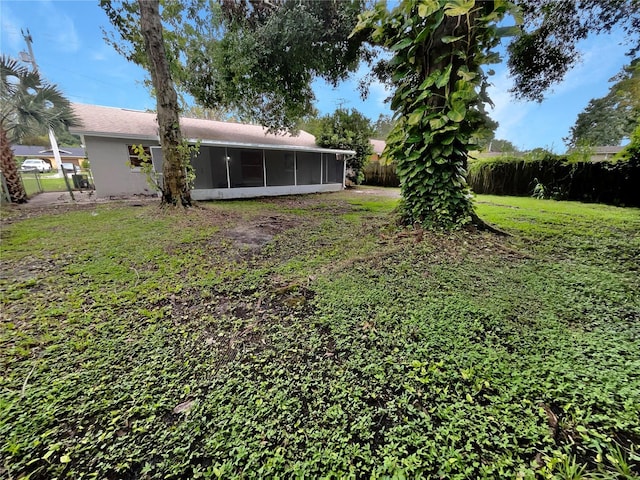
(186, 152)
(439, 48)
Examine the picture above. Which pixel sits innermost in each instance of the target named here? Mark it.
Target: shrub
(552, 176)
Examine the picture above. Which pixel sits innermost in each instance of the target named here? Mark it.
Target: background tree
(502, 146)
(174, 185)
(610, 119)
(631, 152)
(347, 130)
(383, 126)
(547, 47)
(28, 105)
(64, 138)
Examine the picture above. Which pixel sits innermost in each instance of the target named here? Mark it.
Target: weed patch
(308, 337)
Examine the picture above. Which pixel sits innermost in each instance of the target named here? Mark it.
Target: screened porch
(232, 172)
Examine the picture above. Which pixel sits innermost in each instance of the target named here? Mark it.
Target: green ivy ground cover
(307, 337)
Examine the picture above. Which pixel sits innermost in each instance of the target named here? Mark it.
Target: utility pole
(30, 57)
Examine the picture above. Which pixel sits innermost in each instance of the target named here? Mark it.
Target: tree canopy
(255, 58)
(610, 119)
(28, 105)
(347, 130)
(547, 47)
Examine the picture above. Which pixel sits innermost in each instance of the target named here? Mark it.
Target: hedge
(611, 182)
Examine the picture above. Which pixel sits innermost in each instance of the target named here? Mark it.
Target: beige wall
(112, 176)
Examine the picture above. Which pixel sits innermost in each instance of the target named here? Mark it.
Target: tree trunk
(433, 188)
(175, 188)
(9, 169)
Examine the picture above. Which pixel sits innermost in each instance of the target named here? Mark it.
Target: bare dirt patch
(258, 233)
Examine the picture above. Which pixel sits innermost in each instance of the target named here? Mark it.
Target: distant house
(73, 155)
(234, 160)
(378, 148)
(601, 154)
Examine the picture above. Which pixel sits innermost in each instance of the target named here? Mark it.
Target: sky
(69, 48)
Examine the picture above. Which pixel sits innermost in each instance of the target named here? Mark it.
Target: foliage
(383, 126)
(63, 137)
(631, 152)
(257, 59)
(438, 50)
(163, 346)
(545, 175)
(347, 130)
(548, 45)
(502, 146)
(186, 153)
(28, 104)
(610, 119)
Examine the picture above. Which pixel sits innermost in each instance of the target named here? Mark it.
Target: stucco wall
(112, 176)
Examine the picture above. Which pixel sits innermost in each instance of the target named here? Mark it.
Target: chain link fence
(35, 182)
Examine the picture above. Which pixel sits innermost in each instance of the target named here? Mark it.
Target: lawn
(44, 183)
(308, 337)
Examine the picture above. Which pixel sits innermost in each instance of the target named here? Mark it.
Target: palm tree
(28, 105)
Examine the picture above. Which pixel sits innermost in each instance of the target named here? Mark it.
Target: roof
(607, 149)
(134, 124)
(378, 146)
(38, 151)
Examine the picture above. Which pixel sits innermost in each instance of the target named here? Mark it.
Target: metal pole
(54, 144)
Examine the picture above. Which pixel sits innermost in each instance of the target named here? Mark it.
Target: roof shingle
(123, 123)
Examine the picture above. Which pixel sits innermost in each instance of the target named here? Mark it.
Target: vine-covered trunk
(439, 47)
(9, 169)
(175, 188)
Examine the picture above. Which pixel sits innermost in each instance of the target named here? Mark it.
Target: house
(604, 153)
(75, 155)
(378, 147)
(234, 160)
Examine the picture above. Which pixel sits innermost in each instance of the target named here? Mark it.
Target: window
(134, 158)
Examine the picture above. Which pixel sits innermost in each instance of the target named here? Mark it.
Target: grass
(307, 337)
(45, 183)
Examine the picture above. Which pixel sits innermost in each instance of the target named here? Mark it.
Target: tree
(174, 185)
(383, 126)
(348, 130)
(439, 49)
(631, 152)
(547, 47)
(440, 52)
(28, 105)
(64, 138)
(502, 146)
(608, 120)
(256, 58)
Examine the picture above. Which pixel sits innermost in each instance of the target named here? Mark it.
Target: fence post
(66, 181)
